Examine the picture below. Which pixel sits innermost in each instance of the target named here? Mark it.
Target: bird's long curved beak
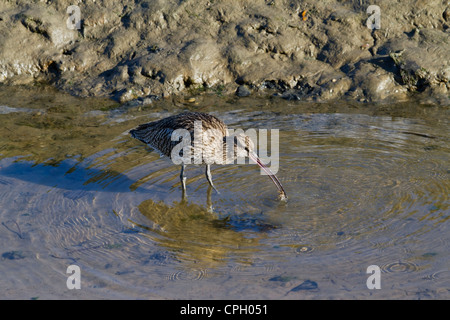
(272, 176)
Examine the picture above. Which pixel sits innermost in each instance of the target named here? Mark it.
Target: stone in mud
(372, 82)
(243, 91)
(316, 80)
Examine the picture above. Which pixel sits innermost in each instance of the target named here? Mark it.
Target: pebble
(243, 91)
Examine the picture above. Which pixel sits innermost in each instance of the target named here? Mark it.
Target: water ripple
(363, 189)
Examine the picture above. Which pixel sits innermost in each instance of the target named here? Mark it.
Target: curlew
(164, 137)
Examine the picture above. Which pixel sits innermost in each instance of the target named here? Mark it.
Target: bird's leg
(183, 179)
(208, 200)
(209, 178)
(183, 197)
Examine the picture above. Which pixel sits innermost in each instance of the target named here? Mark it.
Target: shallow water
(367, 185)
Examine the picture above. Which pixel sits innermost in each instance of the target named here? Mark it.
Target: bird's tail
(140, 133)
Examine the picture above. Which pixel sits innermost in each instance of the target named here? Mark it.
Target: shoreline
(297, 51)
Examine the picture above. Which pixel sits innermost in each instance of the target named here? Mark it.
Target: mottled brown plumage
(158, 134)
(212, 148)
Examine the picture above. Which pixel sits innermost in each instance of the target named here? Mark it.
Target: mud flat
(299, 50)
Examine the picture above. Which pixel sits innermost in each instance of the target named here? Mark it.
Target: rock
(372, 82)
(243, 91)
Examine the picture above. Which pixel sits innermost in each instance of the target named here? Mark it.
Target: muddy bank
(299, 50)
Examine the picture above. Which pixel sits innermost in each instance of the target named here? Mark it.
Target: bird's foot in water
(282, 196)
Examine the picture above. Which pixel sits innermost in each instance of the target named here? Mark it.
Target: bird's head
(244, 147)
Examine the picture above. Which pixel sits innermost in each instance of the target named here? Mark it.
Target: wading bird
(211, 147)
